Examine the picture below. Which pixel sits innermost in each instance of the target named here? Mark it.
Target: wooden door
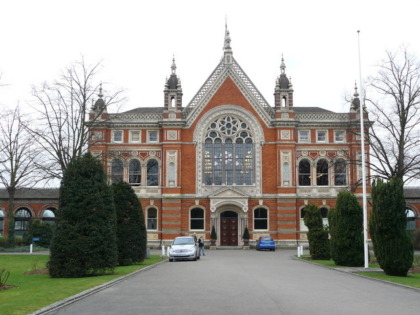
(229, 232)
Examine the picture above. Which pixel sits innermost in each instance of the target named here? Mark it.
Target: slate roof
(34, 193)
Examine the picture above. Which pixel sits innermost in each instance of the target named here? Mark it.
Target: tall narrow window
(152, 219)
(171, 174)
(260, 219)
(197, 219)
(340, 173)
(229, 153)
(304, 173)
(134, 172)
(152, 173)
(322, 173)
(22, 218)
(116, 171)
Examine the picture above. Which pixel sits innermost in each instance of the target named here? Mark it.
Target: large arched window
(229, 153)
(340, 173)
(152, 216)
(304, 173)
(152, 173)
(134, 172)
(260, 219)
(117, 170)
(322, 173)
(1, 221)
(197, 219)
(49, 215)
(22, 218)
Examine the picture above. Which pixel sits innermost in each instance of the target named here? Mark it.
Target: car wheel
(171, 260)
(195, 258)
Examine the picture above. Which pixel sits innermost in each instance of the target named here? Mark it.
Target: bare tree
(394, 96)
(64, 108)
(19, 160)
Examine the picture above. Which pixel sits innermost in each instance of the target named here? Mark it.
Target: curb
(353, 272)
(72, 299)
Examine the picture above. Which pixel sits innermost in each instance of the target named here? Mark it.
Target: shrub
(245, 235)
(41, 230)
(213, 234)
(346, 230)
(84, 241)
(319, 247)
(416, 239)
(392, 242)
(131, 230)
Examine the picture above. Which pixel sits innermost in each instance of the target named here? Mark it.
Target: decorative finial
(356, 94)
(173, 67)
(282, 66)
(100, 95)
(227, 37)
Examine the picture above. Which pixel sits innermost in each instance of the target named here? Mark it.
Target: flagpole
(362, 142)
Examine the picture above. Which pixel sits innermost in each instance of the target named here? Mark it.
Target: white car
(183, 247)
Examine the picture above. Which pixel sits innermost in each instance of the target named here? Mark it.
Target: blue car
(266, 242)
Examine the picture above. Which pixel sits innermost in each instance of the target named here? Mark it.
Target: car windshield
(183, 241)
(266, 238)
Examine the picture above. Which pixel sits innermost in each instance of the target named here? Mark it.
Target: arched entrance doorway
(229, 228)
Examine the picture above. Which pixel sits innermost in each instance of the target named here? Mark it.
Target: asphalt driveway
(247, 282)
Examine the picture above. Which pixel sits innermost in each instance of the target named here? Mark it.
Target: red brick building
(229, 159)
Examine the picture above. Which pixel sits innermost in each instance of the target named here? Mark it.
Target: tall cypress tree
(84, 242)
(392, 242)
(319, 246)
(131, 229)
(346, 230)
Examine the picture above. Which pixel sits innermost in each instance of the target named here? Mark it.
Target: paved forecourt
(247, 282)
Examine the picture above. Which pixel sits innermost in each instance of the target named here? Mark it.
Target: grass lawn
(330, 263)
(412, 280)
(35, 291)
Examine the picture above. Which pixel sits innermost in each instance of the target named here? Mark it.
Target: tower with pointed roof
(173, 91)
(283, 92)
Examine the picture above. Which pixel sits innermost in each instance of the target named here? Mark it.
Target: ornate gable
(213, 83)
(228, 196)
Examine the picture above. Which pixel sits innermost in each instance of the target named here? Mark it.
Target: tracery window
(229, 153)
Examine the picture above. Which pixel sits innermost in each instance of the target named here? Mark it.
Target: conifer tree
(131, 229)
(392, 242)
(84, 242)
(319, 246)
(346, 230)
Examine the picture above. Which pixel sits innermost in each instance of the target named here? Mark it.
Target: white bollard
(301, 250)
(163, 250)
(30, 249)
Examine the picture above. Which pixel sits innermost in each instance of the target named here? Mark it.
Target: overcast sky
(135, 40)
